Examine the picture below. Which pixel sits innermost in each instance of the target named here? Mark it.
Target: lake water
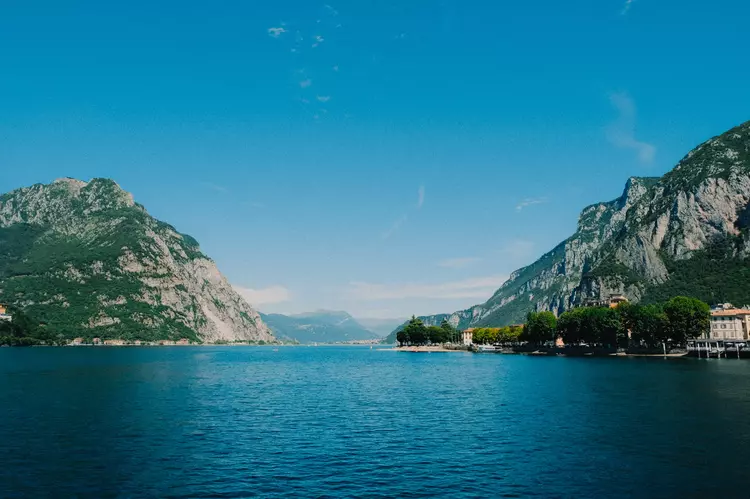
(339, 422)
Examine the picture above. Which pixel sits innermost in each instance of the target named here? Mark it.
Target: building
(115, 343)
(4, 315)
(611, 302)
(468, 336)
(615, 300)
(77, 342)
(730, 324)
(728, 334)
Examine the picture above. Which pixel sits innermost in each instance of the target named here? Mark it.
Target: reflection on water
(236, 421)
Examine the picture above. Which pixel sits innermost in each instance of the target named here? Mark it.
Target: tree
(415, 332)
(437, 335)
(649, 325)
(402, 337)
(540, 327)
(569, 326)
(688, 318)
(451, 331)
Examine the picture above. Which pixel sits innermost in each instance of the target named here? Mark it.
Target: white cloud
(479, 288)
(530, 202)
(626, 7)
(621, 133)
(324, 98)
(396, 225)
(318, 40)
(420, 193)
(331, 10)
(458, 263)
(276, 32)
(305, 83)
(264, 296)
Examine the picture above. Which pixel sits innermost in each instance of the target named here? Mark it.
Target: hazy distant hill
(381, 327)
(322, 326)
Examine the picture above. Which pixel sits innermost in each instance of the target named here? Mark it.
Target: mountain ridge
(321, 326)
(85, 259)
(628, 245)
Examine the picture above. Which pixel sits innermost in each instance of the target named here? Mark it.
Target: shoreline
(424, 349)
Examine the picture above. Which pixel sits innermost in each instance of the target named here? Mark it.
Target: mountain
(86, 260)
(380, 327)
(683, 233)
(322, 326)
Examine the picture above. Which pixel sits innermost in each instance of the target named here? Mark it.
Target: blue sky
(382, 157)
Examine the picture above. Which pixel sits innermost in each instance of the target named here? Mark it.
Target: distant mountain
(686, 233)
(85, 259)
(322, 326)
(381, 327)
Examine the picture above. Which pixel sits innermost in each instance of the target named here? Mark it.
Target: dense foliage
(23, 331)
(717, 274)
(416, 333)
(598, 326)
(66, 279)
(650, 325)
(540, 327)
(494, 335)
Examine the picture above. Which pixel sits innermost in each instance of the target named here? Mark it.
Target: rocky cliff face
(87, 260)
(631, 245)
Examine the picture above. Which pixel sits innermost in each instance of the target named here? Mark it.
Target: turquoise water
(342, 422)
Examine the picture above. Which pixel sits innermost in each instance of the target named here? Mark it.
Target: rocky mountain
(86, 260)
(683, 233)
(322, 326)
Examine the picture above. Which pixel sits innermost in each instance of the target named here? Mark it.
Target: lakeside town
(614, 326)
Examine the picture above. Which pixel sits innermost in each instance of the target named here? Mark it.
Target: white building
(730, 324)
(468, 336)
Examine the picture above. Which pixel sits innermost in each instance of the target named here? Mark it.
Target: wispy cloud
(530, 202)
(396, 225)
(264, 296)
(331, 10)
(480, 288)
(323, 98)
(336, 68)
(318, 40)
(626, 7)
(215, 187)
(621, 133)
(420, 200)
(305, 83)
(458, 263)
(276, 32)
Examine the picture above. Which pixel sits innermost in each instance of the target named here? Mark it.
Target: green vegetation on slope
(74, 284)
(714, 275)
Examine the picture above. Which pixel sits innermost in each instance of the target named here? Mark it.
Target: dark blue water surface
(341, 422)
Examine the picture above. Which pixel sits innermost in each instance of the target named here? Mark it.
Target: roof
(730, 312)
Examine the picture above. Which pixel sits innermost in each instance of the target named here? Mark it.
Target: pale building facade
(730, 324)
(468, 337)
